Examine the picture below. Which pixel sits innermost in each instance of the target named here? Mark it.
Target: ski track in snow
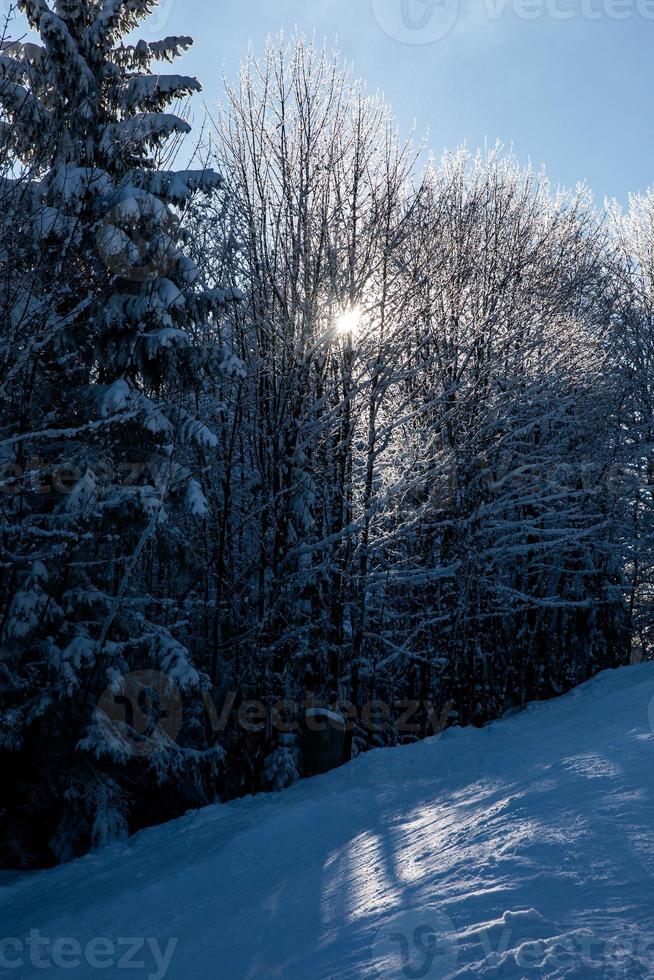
(522, 849)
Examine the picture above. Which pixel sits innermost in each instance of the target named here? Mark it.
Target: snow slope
(523, 849)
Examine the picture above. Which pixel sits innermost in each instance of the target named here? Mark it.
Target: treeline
(342, 426)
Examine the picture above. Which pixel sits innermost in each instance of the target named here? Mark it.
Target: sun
(348, 322)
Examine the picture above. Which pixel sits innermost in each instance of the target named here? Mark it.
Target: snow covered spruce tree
(101, 366)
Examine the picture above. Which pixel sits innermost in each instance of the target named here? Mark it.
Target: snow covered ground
(524, 849)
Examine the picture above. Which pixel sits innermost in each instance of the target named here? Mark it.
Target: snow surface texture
(522, 849)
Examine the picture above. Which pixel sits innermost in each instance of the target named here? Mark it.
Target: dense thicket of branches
(412, 461)
(424, 476)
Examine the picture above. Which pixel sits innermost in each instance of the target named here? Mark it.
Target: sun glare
(348, 322)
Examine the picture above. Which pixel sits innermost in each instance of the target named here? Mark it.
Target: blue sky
(570, 83)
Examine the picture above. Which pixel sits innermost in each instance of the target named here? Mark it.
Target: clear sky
(568, 82)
